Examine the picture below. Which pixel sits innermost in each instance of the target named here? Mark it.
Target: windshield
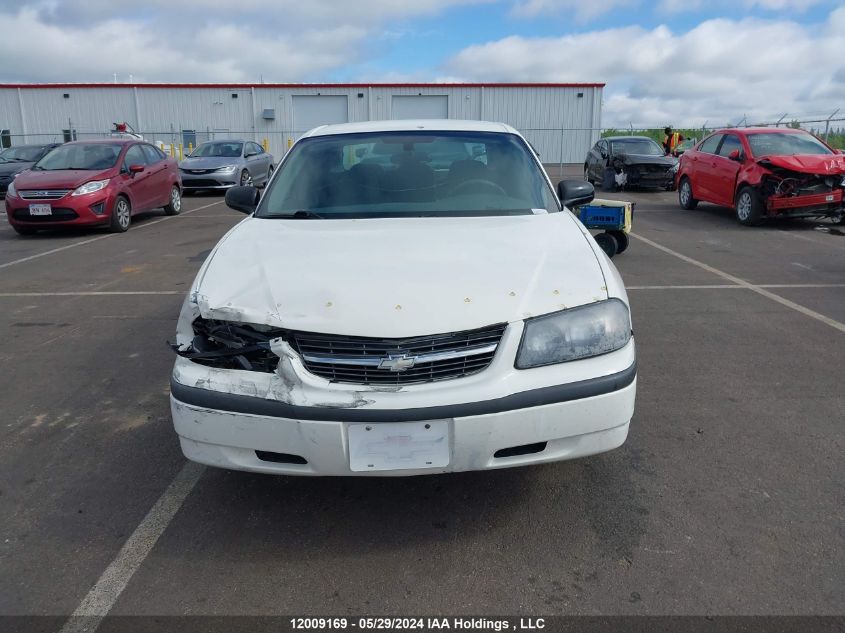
(784, 144)
(21, 154)
(409, 174)
(88, 156)
(644, 146)
(227, 149)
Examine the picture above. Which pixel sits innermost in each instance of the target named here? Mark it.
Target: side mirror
(243, 199)
(574, 193)
(136, 169)
(735, 155)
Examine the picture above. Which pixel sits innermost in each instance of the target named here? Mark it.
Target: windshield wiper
(302, 214)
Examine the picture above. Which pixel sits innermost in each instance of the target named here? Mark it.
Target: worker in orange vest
(671, 140)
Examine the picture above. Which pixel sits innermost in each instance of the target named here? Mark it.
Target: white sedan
(405, 298)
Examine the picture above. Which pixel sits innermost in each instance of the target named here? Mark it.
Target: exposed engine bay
(787, 191)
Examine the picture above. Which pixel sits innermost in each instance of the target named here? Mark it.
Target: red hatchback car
(764, 172)
(93, 183)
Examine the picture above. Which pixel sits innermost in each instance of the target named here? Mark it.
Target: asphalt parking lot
(726, 499)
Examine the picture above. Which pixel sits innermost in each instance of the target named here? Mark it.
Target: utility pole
(827, 124)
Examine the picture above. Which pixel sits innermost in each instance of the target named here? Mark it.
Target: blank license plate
(398, 445)
(40, 209)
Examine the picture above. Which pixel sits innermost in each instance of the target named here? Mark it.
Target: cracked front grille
(368, 361)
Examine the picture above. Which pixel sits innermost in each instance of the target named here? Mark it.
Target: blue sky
(427, 43)
(684, 61)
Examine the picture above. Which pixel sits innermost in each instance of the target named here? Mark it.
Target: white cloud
(679, 6)
(583, 11)
(719, 71)
(223, 52)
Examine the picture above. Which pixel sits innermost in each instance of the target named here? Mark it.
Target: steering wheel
(478, 183)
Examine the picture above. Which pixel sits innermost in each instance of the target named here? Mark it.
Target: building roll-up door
(420, 107)
(310, 111)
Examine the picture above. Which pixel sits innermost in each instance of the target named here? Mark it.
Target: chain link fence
(556, 147)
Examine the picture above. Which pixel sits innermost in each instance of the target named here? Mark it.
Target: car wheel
(246, 179)
(608, 244)
(121, 215)
(685, 197)
(749, 207)
(20, 230)
(175, 205)
(622, 241)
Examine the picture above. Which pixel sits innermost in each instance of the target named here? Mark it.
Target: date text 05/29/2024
(417, 623)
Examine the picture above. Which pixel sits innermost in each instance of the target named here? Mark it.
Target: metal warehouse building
(562, 121)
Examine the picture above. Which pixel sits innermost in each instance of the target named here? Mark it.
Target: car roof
(760, 130)
(106, 141)
(623, 138)
(31, 146)
(227, 140)
(412, 125)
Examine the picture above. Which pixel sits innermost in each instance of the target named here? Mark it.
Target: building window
(5, 138)
(69, 135)
(189, 138)
(234, 95)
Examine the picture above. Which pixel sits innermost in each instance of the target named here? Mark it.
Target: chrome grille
(43, 194)
(366, 361)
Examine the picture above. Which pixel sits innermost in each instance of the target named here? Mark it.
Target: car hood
(59, 179)
(6, 169)
(399, 277)
(210, 162)
(826, 164)
(646, 159)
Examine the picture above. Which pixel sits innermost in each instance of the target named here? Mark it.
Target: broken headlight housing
(228, 345)
(574, 334)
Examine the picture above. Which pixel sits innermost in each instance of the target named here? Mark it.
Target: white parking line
(741, 282)
(115, 293)
(104, 594)
(100, 237)
(731, 286)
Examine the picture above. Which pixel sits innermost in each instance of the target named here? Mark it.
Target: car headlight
(90, 187)
(227, 168)
(574, 334)
(11, 191)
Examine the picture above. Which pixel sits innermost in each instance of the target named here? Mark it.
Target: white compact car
(405, 298)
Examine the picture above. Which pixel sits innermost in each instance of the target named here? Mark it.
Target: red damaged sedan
(763, 173)
(93, 183)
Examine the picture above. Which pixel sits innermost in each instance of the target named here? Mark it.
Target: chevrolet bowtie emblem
(397, 362)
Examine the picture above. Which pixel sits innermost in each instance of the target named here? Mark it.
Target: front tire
(685, 197)
(246, 179)
(749, 206)
(175, 205)
(121, 215)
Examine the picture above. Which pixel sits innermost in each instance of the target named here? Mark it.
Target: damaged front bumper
(291, 421)
(827, 203)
